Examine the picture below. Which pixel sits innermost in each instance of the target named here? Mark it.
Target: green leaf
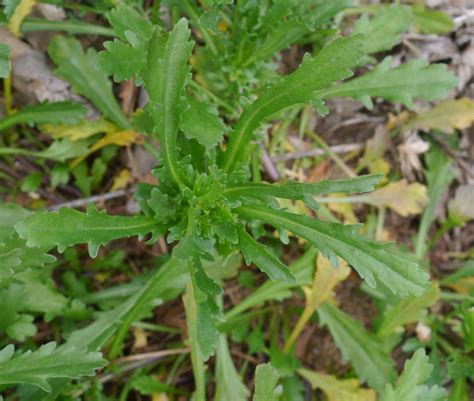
(121, 60)
(302, 269)
(202, 123)
(16, 257)
(264, 259)
(229, 385)
(301, 190)
(413, 80)
(266, 380)
(372, 260)
(170, 65)
(15, 324)
(405, 311)
(4, 60)
(9, 7)
(204, 290)
(382, 32)
(10, 214)
(432, 21)
(67, 227)
(365, 352)
(47, 363)
(79, 68)
(43, 113)
(125, 57)
(128, 24)
(63, 150)
(439, 175)
(332, 63)
(410, 385)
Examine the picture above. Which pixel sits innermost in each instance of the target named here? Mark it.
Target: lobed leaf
(365, 352)
(266, 380)
(10, 214)
(169, 63)
(382, 32)
(332, 63)
(408, 310)
(301, 190)
(410, 386)
(126, 56)
(67, 227)
(42, 113)
(413, 80)
(263, 258)
(79, 68)
(46, 364)
(202, 123)
(372, 261)
(16, 257)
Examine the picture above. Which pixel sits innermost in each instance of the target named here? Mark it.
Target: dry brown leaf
(405, 199)
(338, 390)
(446, 116)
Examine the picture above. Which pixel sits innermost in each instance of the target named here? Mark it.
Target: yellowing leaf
(374, 151)
(122, 180)
(76, 132)
(445, 116)
(326, 279)
(338, 390)
(120, 138)
(22, 10)
(343, 209)
(405, 199)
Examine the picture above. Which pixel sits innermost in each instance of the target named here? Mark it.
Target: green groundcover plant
(207, 205)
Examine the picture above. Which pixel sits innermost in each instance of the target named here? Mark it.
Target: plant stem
(196, 357)
(342, 165)
(193, 14)
(70, 26)
(7, 90)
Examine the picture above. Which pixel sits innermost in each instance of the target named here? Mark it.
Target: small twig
(151, 355)
(93, 199)
(345, 148)
(269, 165)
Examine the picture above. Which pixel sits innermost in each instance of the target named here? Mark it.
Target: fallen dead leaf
(338, 390)
(446, 116)
(405, 199)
